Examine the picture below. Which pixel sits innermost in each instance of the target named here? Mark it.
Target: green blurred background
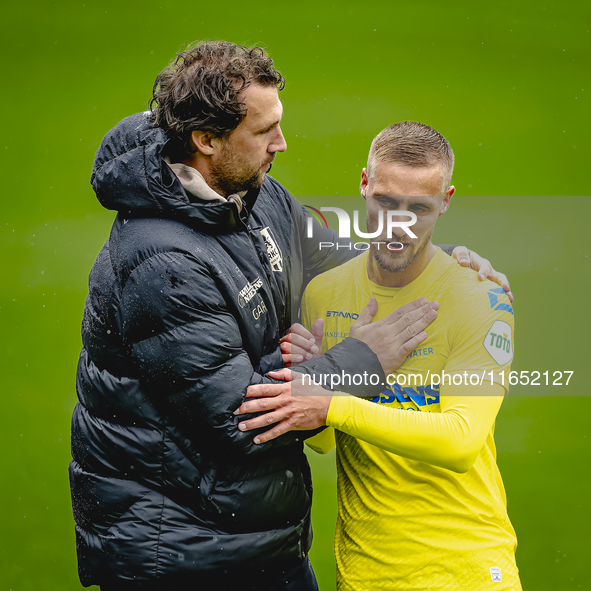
(506, 83)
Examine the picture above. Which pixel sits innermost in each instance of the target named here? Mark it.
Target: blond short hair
(412, 144)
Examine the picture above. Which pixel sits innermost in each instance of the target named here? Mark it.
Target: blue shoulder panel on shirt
(494, 300)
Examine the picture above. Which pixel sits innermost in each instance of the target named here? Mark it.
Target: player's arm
(323, 442)
(451, 439)
(454, 437)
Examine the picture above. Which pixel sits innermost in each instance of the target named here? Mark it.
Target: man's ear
(447, 199)
(202, 141)
(364, 183)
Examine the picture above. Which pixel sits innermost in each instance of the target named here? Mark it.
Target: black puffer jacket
(187, 302)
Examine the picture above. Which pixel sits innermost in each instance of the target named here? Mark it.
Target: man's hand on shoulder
(484, 268)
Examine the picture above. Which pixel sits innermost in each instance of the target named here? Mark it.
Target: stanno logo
(339, 314)
(248, 291)
(273, 252)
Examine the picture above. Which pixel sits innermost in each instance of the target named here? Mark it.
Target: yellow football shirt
(430, 516)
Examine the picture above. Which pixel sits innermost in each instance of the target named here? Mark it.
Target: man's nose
(278, 144)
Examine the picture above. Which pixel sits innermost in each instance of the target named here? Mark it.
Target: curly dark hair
(201, 89)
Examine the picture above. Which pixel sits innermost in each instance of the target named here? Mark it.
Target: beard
(391, 262)
(229, 175)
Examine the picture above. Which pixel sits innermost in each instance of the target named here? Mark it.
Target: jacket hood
(130, 176)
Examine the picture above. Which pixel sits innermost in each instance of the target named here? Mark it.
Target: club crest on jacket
(275, 257)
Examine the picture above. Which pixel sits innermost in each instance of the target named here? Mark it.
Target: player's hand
(392, 338)
(468, 258)
(300, 344)
(292, 405)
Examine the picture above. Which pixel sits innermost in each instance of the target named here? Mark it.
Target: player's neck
(403, 277)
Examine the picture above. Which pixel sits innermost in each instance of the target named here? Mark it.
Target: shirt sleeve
(451, 439)
(323, 442)
(482, 343)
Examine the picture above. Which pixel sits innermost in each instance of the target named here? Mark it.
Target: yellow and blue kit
(421, 501)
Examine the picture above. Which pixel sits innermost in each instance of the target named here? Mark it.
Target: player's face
(241, 161)
(395, 187)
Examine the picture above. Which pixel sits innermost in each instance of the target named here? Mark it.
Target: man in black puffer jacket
(199, 279)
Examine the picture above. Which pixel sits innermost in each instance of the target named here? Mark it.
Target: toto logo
(385, 219)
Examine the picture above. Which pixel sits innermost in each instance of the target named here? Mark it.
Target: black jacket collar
(131, 176)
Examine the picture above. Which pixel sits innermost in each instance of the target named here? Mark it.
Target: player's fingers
(411, 309)
(366, 314)
(280, 429)
(289, 360)
(318, 333)
(291, 354)
(297, 328)
(285, 347)
(420, 320)
(258, 405)
(481, 265)
(500, 279)
(267, 390)
(303, 341)
(410, 315)
(300, 331)
(300, 345)
(411, 344)
(462, 255)
(282, 374)
(274, 409)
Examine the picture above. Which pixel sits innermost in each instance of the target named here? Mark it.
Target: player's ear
(364, 182)
(447, 199)
(203, 142)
